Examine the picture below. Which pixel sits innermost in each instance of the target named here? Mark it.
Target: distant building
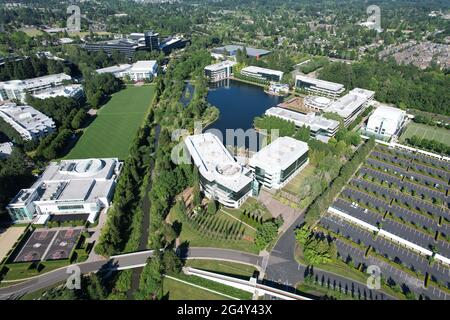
(141, 70)
(219, 71)
(352, 104)
(317, 103)
(232, 49)
(386, 121)
(118, 71)
(277, 163)
(148, 41)
(262, 73)
(5, 149)
(27, 121)
(221, 177)
(172, 43)
(68, 187)
(319, 87)
(74, 91)
(321, 128)
(17, 89)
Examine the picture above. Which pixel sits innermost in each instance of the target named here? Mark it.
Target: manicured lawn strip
(231, 291)
(111, 133)
(197, 239)
(20, 270)
(224, 267)
(294, 185)
(37, 294)
(177, 290)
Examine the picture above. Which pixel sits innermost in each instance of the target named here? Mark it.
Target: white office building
(317, 103)
(320, 127)
(143, 70)
(221, 177)
(27, 121)
(352, 104)
(219, 71)
(277, 163)
(74, 91)
(17, 89)
(69, 187)
(319, 87)
(262, 73)
(118, 71)
(139, 71)
(386, 121)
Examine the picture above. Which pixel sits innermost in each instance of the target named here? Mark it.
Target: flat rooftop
(253, 69)
(215, 162)
(60, 91)
(26, 117)
(327, 85)
(310, 120)
(84, 179)
(280, 154)
(220, 65)
(114, 69)
(387, 112)
(253, 52)
(37, 82)
(347, 104)
(143, 65)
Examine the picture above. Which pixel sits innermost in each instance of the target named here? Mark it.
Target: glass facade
(19, 214)
(70, 207)
(285, 174)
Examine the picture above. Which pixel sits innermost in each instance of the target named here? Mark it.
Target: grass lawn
(116, 125)
(319, 291)
(17, 271)
(32, 32)
(423, 131)
(176, 290)
(197, 239)
(224, 267)
(294, 185)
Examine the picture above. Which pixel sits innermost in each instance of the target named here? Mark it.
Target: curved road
(120, 262)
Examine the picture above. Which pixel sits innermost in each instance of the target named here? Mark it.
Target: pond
(239, 103)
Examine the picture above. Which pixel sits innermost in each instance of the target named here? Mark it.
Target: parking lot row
(430, 214)
(413, 176)
(416, 157)
(388, 249)
(410, 164)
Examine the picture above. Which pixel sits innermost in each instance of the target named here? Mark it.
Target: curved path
(121, 262)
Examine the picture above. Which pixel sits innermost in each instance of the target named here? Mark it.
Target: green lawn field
(116, 125)
(423, 131)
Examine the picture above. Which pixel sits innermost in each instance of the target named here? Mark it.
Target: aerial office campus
(321, 170)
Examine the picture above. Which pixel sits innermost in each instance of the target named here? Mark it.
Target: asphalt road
(133, 260)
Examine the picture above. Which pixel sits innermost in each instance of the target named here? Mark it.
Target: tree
(172, 263)
(212, 207)
(150, 283)
(265, 234)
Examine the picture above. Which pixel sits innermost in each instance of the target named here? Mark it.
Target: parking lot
(416, 216)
